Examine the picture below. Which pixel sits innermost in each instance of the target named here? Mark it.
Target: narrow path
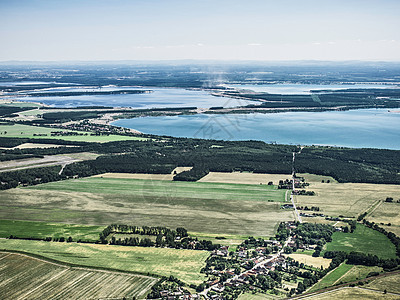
(62, 169)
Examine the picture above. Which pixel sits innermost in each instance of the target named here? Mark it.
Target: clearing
(24, 277)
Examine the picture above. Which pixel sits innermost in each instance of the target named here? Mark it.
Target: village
(257, 265)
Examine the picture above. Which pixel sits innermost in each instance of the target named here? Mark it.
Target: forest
(162, 155)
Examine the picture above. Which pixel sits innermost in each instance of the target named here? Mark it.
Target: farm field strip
(158, 188)
(24, 277)
(330, 278)
(183, 264)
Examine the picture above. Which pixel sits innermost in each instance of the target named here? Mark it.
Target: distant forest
(162, 155)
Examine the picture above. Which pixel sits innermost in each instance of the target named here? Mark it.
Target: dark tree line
(162, 156)
(30, 177)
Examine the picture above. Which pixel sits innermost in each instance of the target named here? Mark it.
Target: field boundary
(78, 266)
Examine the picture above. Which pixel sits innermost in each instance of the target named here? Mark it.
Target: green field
(26, 131)
(24, 229)
(332, 277)
(20, 104)
(363, 239)
(183, 264)
(220, 209)
(178, 189)
(345, 273)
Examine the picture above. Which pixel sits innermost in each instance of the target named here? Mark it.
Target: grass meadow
(363, 239)
(26, 229)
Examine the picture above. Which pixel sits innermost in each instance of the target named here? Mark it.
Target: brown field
(347, 199)
(310, 261)
(145, 176)
(136, 176)
(390, 283)
(351, 293)
(34, 145)
(387, 213)
(24, 277)
(243, 178)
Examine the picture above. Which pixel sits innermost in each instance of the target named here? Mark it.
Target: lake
(170, 97)
(160, 97)
(301, 89)
(369, 128)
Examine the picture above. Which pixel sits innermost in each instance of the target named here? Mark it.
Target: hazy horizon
(154, 30)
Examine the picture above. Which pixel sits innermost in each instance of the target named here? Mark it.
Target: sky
(60, 30)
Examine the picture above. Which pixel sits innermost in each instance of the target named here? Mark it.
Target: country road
(293, 187)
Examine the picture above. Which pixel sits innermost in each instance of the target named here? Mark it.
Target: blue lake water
(369, 128)
(293, 88)
(160, 97)
(172, 97)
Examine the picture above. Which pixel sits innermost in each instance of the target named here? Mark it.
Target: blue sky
(202, 29)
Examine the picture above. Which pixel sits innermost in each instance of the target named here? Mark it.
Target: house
(219, 288)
